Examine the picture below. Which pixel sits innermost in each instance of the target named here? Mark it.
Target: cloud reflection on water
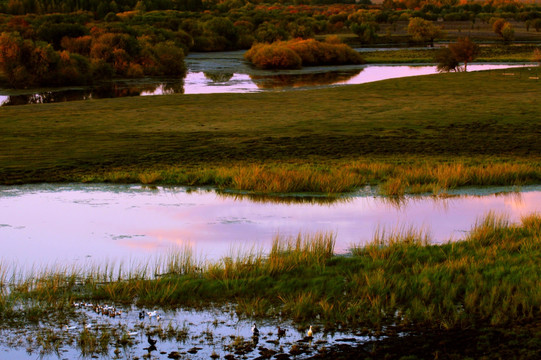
(124, 222)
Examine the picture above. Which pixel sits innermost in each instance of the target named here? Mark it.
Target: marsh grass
(149, 177)
(291, 252)
(490, 277)
(393, 178)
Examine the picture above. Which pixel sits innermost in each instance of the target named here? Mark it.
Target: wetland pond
(83, 225)
(90, 225)
(227, 72)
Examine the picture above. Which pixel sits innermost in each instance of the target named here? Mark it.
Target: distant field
(488, 53)
(479, 31)
(483, 115)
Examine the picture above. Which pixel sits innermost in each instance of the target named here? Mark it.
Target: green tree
(223, 27)
(268, 32)
(170, 58)
(423, 30)
(508, 33)
(365, 31)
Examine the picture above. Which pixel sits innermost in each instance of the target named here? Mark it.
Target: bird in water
(152, 313)
(141, 314)
(255, 330)
(310, 332)
(151, 341)
(281, 332)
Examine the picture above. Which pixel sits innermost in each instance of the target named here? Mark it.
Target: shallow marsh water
(92, 225)
(227, 72)
(191, 334)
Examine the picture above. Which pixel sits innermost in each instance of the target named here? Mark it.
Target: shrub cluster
(295, 53)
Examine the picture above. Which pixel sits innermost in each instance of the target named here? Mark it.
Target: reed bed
(393, 178)
(400, 278)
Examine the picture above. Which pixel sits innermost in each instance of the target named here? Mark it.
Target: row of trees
(390, 10)
(235, 30)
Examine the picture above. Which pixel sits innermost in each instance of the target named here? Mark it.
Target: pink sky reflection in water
(46, 224)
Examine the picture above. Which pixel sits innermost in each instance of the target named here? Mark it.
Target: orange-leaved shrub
(273, 56)
(295, 53)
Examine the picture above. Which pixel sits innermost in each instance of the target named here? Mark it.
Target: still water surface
(92, 224)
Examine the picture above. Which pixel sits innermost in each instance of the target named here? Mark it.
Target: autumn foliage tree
(463, 50)
(504, 29)
(446, 60)
(423, 30)
(24, 62)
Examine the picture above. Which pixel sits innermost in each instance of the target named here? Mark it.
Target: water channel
(227, 72)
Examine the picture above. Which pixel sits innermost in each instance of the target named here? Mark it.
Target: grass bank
(392, 178)
(490, 278)
(482, 128)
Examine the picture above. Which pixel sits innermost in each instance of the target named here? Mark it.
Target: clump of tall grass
(290, 252)
(394, 187)
(49, 341)
(490, 229)
(285, 254)
(178, 261)
(290, 180)
(150, 177)
(90, 342)
(238, 264)
(391, 243)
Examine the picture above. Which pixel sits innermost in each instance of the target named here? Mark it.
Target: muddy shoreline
(520, 340)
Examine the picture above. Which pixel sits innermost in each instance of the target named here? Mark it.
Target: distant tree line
(58, 42)
(450, 10)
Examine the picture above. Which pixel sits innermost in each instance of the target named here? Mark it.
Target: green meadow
(416, 134)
